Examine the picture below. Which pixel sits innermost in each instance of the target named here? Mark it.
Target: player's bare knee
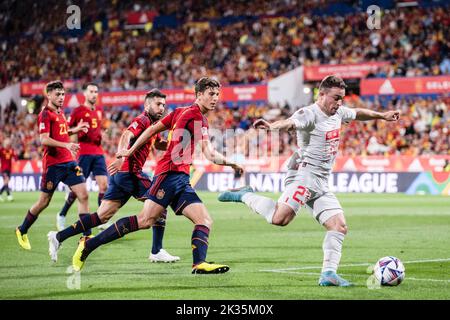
(104, 216)
(282, 216)
(342, 228)
(83, 197)
(145, 221)
(280, 221)
(102, 188)
(207, 221)
(336, 223)
(43, 203)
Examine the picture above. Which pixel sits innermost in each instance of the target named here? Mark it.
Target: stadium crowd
(423, 129)
(260, 40)
(238, 42)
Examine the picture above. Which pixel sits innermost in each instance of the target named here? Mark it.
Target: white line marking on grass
(353, 265)
(354, 275)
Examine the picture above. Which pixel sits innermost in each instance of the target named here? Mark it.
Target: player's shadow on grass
(123, 290)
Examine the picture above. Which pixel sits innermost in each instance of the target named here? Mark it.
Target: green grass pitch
(267, 262)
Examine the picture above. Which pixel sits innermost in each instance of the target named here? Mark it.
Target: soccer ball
(389, 271)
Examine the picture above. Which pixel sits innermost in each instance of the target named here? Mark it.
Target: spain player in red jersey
(58, 163)
(90, 155)
(127, 180)
(7, 155)
(170, 186)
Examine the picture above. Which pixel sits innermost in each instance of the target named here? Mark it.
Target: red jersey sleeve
(44, 122)
(137, 126)
(167, 120)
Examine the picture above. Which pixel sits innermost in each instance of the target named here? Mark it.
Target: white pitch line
(358, 275)
(353, 265)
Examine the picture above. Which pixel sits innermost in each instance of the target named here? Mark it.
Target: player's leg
(102, 182)
(328, 212)
(118, 193)
(3, 188)
(84, 162)
(31, 217)
(198, 214)
(61, 215)
(147, 217)
(105, 212)
(280, 214)
(158, 253)
(6, 177)
(49, 181)
(4, 184)
(81, 193)
(101, 176)
(187, 202)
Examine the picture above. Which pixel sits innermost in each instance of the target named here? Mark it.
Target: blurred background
(269, 57)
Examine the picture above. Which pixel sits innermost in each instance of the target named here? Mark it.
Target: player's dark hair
(205, 83)
(53, 85)
(154, 93)
(87, 84)
(332, 82)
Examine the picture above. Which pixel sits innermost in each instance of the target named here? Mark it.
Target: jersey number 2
(62, 129)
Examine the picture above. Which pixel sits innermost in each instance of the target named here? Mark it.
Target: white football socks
(260, 204)
(332, 248)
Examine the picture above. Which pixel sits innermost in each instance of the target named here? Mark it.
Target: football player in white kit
(318, 132)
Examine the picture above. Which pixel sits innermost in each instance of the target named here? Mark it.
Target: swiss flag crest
(333, 134)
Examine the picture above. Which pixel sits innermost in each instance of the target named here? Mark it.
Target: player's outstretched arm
(143, 138)
(367, 114)
(286, 124)
(215, 157)
(49, 142)
(124, 142)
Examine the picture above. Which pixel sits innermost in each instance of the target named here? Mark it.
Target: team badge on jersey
(42, 126)
(134, 125)
(160, 194)
(49, 185)
(333, 134)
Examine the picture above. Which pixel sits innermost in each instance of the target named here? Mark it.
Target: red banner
(174, 96)
(134, 18)
(38, 87)
(414, 85)
(345, 71)
(244, 93)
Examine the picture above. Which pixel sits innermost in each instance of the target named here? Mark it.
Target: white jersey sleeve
(303, 119)
(347, 114)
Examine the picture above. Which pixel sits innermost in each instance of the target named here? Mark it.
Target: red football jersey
(136, 162)
(55, 123)
(6, 156)
(90, 142)
(187, 127)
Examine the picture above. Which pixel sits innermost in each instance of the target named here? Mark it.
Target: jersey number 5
(94, 123)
